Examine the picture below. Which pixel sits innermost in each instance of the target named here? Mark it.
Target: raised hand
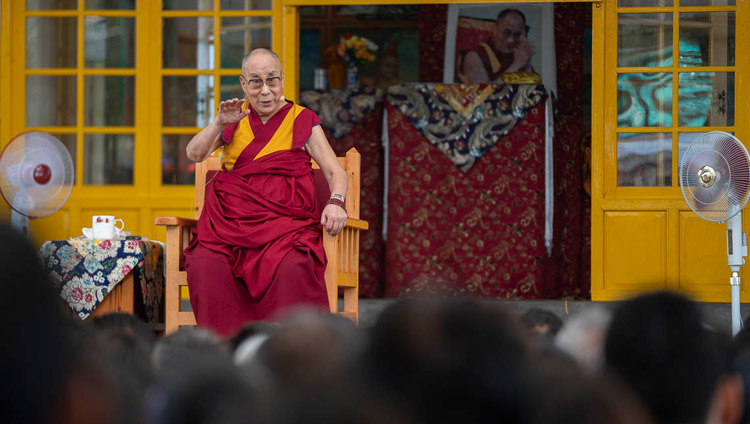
(230, 112)
(522, 54)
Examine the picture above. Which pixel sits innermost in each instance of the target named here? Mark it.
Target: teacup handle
(122, 222)
(88, 232)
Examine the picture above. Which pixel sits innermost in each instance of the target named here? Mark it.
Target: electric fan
(36, 177)
(715, 182)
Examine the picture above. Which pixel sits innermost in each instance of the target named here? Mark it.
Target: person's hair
(451, 360)
(185, 347)
(128, 341)
(658, 345)
(32, 351)
(265, 51)
(741, 365)
(505, 12)
(583, 337)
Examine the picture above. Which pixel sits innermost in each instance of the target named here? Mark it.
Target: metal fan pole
(736, 251)
(20, 223)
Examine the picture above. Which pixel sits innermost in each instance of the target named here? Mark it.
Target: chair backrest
(206, 170)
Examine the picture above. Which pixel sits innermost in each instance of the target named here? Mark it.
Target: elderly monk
(508, 50)
(258, 246)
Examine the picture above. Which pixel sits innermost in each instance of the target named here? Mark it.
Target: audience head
(542, 322)
(451, 360)
(311, 350)
(565, 393)
(658, 346)
(196, 381)
(32, 352)
(740, 366)
(583, 336)
(188, 345)
(128, 342)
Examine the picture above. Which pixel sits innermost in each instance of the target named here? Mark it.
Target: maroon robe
(258, 246)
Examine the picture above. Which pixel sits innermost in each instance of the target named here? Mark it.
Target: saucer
(90, 236)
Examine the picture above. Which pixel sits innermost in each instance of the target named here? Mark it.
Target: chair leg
(351, 303)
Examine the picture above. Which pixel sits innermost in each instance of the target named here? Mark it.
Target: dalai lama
(258, 246)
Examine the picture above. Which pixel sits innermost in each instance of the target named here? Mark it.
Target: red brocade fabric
(570, 271)
(365, 136)
(480, 232)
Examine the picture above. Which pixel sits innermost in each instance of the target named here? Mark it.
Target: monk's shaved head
(258, 51)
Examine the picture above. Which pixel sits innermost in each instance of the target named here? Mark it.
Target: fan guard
(36, 174)
(715, 176)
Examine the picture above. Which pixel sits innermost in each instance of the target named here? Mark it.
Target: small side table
(95, 277)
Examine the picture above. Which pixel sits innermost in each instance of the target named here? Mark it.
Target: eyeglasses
(257, 83)
(517, 36)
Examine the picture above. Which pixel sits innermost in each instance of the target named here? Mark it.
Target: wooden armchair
(342, 251)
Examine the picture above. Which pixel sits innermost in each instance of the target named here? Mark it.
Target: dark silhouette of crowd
(651, 359)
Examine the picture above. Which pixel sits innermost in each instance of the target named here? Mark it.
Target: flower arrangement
(356, 50)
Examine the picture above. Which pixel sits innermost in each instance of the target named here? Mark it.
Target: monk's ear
(729, 400)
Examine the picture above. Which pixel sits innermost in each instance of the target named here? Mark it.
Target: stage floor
(716, 315)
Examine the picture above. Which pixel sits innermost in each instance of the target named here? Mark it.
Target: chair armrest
(357, 223)
(175, 220)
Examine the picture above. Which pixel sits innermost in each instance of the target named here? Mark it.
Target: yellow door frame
(667, 202)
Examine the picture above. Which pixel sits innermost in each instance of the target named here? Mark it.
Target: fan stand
(736, 252)
(19, 222)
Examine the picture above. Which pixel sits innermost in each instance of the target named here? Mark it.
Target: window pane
(706, 99)
(50, 100)
(644, 99)
(176, 168)
(108, 159)
(188, 101)
(240, 35)
(51, 42)
(405, 12)
(644, 160)
(685, 3)
(109, 42)
(188, 43)
(311, 10)
(246, 4)
(188, 4)
(51, 4)
(707, 39)
(109, 100)
(231, 88)
(644, 3)
(644, 39)
(110, 4)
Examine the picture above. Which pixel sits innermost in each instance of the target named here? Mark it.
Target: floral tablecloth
(85, 271)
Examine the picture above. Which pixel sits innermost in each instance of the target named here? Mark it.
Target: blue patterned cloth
(341, 109)
(84, 272)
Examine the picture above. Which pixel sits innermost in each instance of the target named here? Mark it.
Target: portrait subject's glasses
(257, 83)
(516, 36)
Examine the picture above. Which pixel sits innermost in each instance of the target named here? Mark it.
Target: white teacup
(103, 227)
